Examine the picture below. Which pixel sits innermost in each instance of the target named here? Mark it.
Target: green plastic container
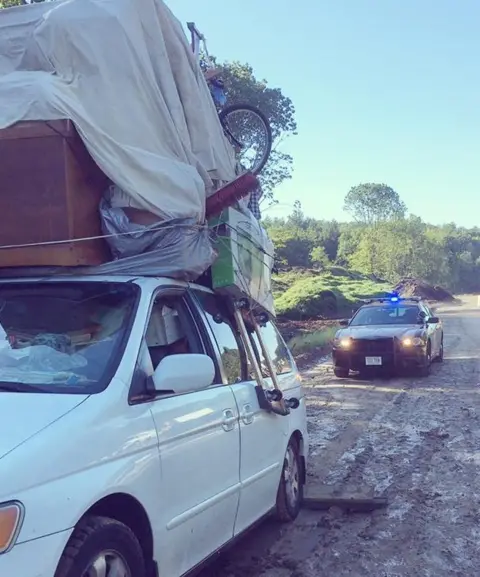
(245, 258)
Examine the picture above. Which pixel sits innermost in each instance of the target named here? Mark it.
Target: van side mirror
(184, 373)
(344, 322)
(433, 320)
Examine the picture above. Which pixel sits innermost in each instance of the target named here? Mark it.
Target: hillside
(306, 293)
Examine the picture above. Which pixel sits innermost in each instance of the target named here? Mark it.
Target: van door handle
(229, 420)
(247, 415)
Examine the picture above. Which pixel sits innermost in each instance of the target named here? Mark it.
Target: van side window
(226, 338)
(276, 349)
(167, 333)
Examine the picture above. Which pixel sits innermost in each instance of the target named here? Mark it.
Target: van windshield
(63, 337)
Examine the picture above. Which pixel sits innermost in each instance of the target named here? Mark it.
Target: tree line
(382, 241)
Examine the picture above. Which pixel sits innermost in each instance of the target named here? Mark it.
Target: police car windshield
(387, 315)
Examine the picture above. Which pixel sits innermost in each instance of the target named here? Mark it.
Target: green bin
(245, 257)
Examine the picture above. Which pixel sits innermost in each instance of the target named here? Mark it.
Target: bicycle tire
(232, 108)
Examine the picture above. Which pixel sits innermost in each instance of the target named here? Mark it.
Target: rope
(99, 237)
(217, 237)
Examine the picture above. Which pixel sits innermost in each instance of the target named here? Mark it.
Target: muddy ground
(415, 441)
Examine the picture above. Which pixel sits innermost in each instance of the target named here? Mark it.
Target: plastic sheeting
(123, 71)
(176, 248)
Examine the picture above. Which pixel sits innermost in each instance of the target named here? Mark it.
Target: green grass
(306, 342)
(300, 294)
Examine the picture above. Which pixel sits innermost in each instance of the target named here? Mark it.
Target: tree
(241, 86)
(10, 3)
(371, 203)
(319, 257)
(348, 241)
(293, 246)
(398, 249)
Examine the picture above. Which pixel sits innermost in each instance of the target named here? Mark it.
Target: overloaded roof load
(124, 73)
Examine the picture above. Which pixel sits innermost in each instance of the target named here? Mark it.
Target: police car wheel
(340, 372)
(426, 367)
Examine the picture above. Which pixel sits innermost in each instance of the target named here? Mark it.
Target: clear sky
(384, 90)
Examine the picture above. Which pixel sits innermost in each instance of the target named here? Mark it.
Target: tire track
(416, 441)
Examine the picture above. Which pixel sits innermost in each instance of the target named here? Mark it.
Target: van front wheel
(102, 546)
(290, 489)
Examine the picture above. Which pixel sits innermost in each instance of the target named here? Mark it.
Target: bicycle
(250, 136)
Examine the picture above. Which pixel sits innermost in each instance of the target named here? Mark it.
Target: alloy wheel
(292, 477)
(108, 564)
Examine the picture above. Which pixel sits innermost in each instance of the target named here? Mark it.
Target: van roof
(142, 281)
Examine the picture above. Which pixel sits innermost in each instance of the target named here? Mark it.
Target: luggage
(50, 189)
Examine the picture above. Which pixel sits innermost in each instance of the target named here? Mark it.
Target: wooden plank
(350, 504)
(39, 129)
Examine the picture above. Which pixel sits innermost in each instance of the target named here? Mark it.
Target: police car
(389, 333)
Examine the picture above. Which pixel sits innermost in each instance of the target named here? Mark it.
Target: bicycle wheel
(250, 134)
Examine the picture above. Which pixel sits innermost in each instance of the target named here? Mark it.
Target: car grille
(373, 347)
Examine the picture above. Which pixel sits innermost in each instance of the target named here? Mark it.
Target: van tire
(290, 488)
(94, 535)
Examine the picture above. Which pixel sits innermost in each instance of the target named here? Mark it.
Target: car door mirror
(184, 373)
(433, 320)
(344, 322)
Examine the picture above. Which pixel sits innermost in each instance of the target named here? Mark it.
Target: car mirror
(433, 320)
(344, 322)
(184, 373)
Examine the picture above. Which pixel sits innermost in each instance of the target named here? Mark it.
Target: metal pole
(266, 355)
(246, 339)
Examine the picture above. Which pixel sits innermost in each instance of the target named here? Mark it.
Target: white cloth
(124, 73)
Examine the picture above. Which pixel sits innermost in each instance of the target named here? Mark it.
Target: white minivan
(135, 439)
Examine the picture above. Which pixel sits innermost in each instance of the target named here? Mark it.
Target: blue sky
(384, 90)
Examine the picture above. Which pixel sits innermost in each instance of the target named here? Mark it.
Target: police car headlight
(343, 343)
(412, 342)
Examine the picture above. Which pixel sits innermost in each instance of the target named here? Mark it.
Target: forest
(382, 241)
(367, 256)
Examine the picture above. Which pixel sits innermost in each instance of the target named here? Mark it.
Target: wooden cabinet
(50, 189)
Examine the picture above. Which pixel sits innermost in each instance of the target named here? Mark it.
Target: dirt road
(413, 440)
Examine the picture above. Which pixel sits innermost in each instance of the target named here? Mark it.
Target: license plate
(373, 361)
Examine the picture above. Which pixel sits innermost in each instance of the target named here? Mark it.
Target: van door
(259, 491)
(199, 446)
(263, 436)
